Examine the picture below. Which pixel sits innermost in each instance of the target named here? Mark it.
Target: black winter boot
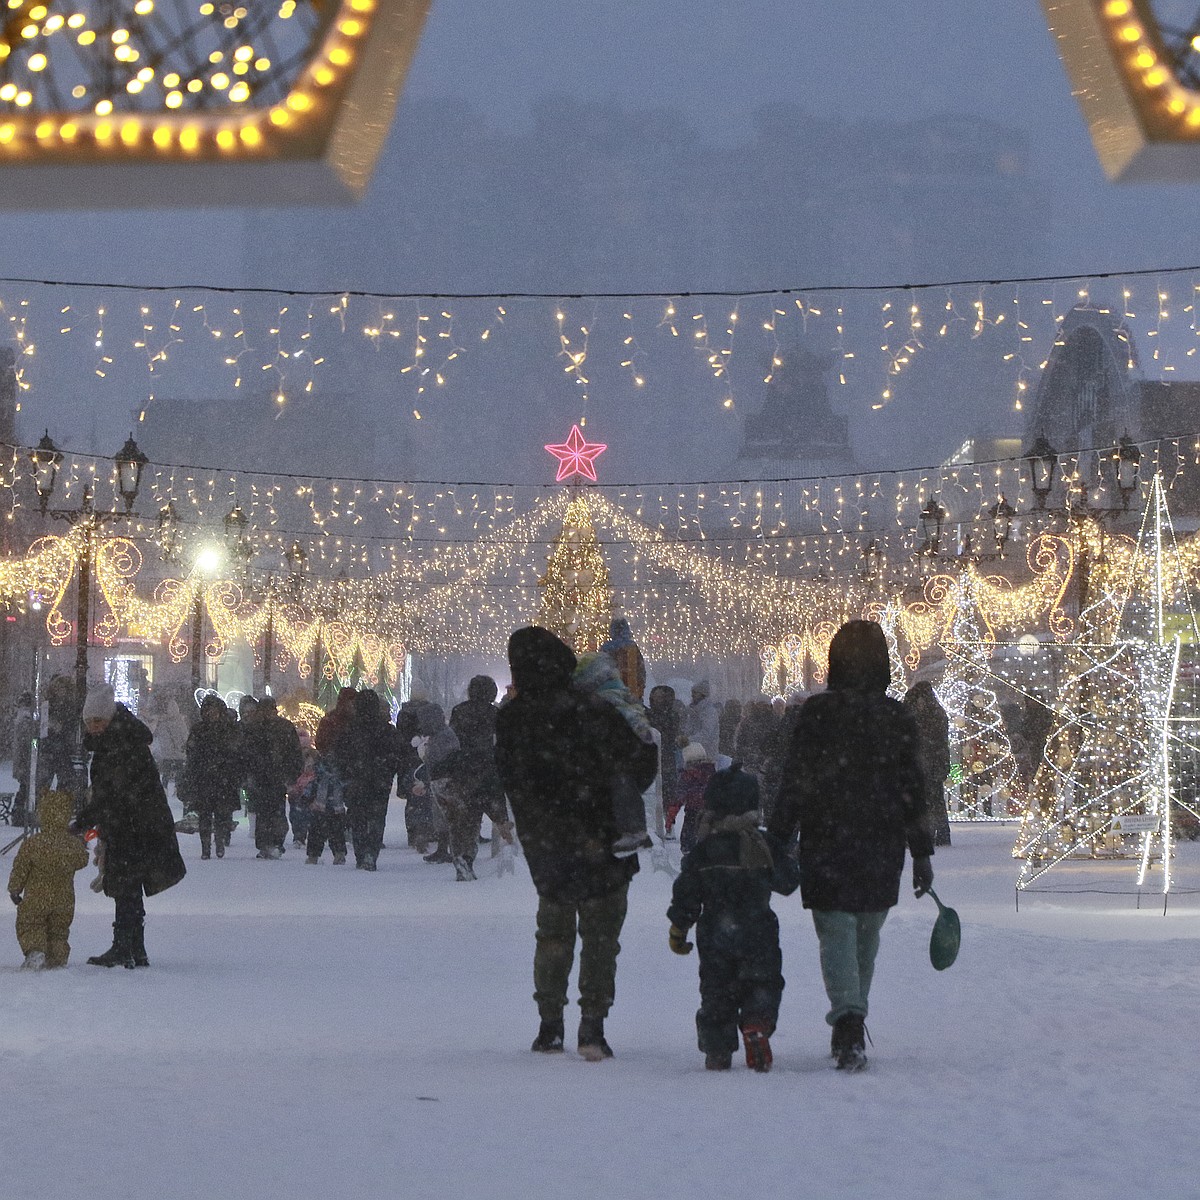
(119, 954)
(592, 1045)
(849, 1045)
(550, 1037)
(137, 946)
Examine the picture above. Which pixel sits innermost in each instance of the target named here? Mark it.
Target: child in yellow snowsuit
(42, 884)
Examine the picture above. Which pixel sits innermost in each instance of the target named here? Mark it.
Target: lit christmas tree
(1104, 786)
(577, 600)
(982, 766)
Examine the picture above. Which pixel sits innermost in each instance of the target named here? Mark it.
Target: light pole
(208, 561)
(130, 463)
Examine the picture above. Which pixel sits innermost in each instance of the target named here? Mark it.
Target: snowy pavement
(312, 1032)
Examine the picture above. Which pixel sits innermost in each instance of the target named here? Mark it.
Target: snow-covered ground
(315, 1032)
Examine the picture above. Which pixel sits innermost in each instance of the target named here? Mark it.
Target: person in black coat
(365, 756)
(724, 889)
(212, 773)
(475, 788)
(407, 762)
(852, 786)
(272, 761)
(129, 809)
(933, 727)
(558, 752)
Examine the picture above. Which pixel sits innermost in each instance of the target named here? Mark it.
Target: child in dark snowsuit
(724, 889)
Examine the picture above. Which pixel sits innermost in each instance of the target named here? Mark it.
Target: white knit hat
(100, 704)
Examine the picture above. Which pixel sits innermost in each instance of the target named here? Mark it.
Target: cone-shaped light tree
(982, 764)
(577, 599)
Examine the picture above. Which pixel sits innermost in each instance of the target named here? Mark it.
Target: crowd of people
(825, 796)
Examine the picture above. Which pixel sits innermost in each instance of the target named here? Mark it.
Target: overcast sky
(869, 61)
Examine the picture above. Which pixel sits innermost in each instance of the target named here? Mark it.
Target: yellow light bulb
(189, 138)
(162, 136)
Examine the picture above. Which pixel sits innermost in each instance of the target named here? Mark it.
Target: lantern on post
(130, 463)
(46, 458)
(1042, 459)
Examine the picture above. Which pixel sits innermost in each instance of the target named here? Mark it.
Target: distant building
(1092, 394)
(796, 434)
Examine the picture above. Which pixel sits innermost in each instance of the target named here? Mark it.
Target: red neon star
(576, 456)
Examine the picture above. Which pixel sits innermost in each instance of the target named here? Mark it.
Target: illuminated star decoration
(576, 456)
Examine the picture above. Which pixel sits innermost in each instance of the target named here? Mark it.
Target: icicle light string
(278, 351)
(797, 290)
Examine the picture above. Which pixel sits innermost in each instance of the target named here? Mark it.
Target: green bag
(946, 936)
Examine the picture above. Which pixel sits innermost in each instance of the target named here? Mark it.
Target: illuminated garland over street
(686, 602)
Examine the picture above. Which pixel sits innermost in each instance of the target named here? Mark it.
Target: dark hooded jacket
(129, 808)
(213, 765)
(271, 746)
(474, 723)
(365, 753)
(852, 782)
(725, 882)
(558, 752)
(331, 725)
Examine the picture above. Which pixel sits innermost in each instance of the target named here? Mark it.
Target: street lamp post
(208, 561)
(130, 463)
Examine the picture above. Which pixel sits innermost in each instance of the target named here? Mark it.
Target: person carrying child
(724, 889)
(596, 674)
(42, 884)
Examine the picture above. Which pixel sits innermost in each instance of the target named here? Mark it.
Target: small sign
(1136, 823)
